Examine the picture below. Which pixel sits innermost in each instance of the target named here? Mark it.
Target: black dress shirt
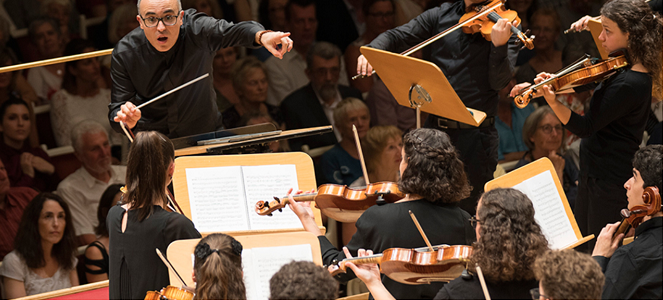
(635, 271)
(475, 68)
(140, 73)
(461, 288)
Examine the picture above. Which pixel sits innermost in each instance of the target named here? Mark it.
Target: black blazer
(302, 109)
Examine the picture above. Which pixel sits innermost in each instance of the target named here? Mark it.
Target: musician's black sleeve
(405, 36)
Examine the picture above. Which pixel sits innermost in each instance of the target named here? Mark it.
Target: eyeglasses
(381, 15)
(322, 72)
(168, 20)
(536, 295)
(474, 221)
(547, 129)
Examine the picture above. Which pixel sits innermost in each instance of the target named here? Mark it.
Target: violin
(568, 78)
(170, 293)
(633, 217)
(339, 202)
(415, 266)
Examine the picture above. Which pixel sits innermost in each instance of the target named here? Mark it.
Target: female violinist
(434, 179)
(612, 128)
(142, 224)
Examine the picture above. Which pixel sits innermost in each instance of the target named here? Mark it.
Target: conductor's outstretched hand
(272, 40)
(129, 114)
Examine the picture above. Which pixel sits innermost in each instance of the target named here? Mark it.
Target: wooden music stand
(303, 163)
(595, 28)
(536, 168)
(418, 83)
(179, 252)
(95, 290)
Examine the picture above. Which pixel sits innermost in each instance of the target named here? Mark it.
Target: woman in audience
(217, 268)
(83, 96)
(382, 151)
(379, 15)
(543, 135)
(122, 21)
(250, 84)
(434, 181)
(142, 224)
(44, 258)
(341, 165)
(96, 254)
(208, 7)
(61, 10)
(546, 28)
(508, 243)
(26, 166)
(223, 63)
(46, 80)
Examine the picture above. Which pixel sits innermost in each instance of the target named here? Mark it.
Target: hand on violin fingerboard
(501, 32)
(304, 213)
(605, 244)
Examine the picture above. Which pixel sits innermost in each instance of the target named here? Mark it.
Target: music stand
(420, 84)
(595, 28)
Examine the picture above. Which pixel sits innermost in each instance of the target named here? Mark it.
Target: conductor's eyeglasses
(168, 20)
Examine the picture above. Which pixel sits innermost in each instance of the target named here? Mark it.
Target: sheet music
(260, 264)
(216, 196)
(549, 209)
(263, 183)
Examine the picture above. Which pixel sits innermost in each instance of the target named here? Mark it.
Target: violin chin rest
(466, 275)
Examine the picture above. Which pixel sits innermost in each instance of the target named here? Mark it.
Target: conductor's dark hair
(105, 204)
(300, 3)
(434, 169)
(302, 280)
(648, 161)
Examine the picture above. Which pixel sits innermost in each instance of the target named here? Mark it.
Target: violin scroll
(524, 98)
(528, 42)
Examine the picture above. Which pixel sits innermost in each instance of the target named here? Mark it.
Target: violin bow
(421, 231)
(483, 282)
(170, 267)
(361, 155)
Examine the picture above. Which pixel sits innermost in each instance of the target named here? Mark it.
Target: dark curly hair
(434, 169)
(569, 274)
(218, 268)
(645, 29)
(302, 280)
(510, 239)
(648, 161)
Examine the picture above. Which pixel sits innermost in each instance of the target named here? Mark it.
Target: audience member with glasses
(543, 134)
(175, 47)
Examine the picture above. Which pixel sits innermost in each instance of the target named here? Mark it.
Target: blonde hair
(341, 110)
(375, 142)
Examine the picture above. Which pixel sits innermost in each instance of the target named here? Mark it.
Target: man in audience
(567, 274)
(302, 280)
(12, 202)
(83, 188)
(288, 74)
(635, 270)
(313, 105)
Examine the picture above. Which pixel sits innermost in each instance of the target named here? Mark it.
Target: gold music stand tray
(421, 85)
(595, 28)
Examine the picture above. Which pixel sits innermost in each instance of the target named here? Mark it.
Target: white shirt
(82, 192)
(329, 110)
(44, 82)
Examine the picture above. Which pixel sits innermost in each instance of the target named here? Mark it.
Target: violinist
(141, 224)
(217, 268)
(476, 68)
(432, 176)
(567, 274)
(635, 270)
(612, 128)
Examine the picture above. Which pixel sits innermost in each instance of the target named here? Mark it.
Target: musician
(476, 68)
(142, 224)
(171, 48)
(612, 128)
(635, 271)
(302, 280)
(217, 268)
(433, 178)
(567, 274)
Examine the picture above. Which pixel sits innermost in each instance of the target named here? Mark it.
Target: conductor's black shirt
(140, 73)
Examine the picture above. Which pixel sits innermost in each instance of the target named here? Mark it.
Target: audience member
(46, 80)
(525, 10)
(272, 14)
(96, 253)
(26, 165)
(576, 44)
(217, 268)
(313, 105)
(406, 10)
(256, 118)
(223, 63)
(567, 274)
(250, 83)
(83, 96)
(22, 12)
(44, 259)
(509, 124)
(13, 201)
(93, 8)
(543, 135)
(302, 280)
(340, 21)
(208, 7)
(340, 164)
(634, 271)
(83, 188)
(546, 28)
(60, 10)
(382, 151)
(379, 15)
(14, 84)
(385, 110)
(121, 21)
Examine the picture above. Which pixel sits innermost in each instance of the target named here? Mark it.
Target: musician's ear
(193, 275)
(171, 169)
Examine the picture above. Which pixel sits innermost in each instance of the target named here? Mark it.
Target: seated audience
(61, 10)
(26, 165)
(46, 80)
(261, 118)
(217, 268)
(302, 280)
(14, 84)
(13, 201)
(122, 21)
(543, 134)
(340, 164)
(83, 188)
(434, 181)
(635, 271)
(509, 123)
(44, 259)
(313, 105)
(271, 14)
(407, 10)
(546, 28)
(250, 83)
(382, 151)
(96, 253)
(208, 7)
(567, 274)
(82, 97)
(385, 110)
(223, 63)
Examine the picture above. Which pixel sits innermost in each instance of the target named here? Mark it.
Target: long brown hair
(218, 268)
(147, 171)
